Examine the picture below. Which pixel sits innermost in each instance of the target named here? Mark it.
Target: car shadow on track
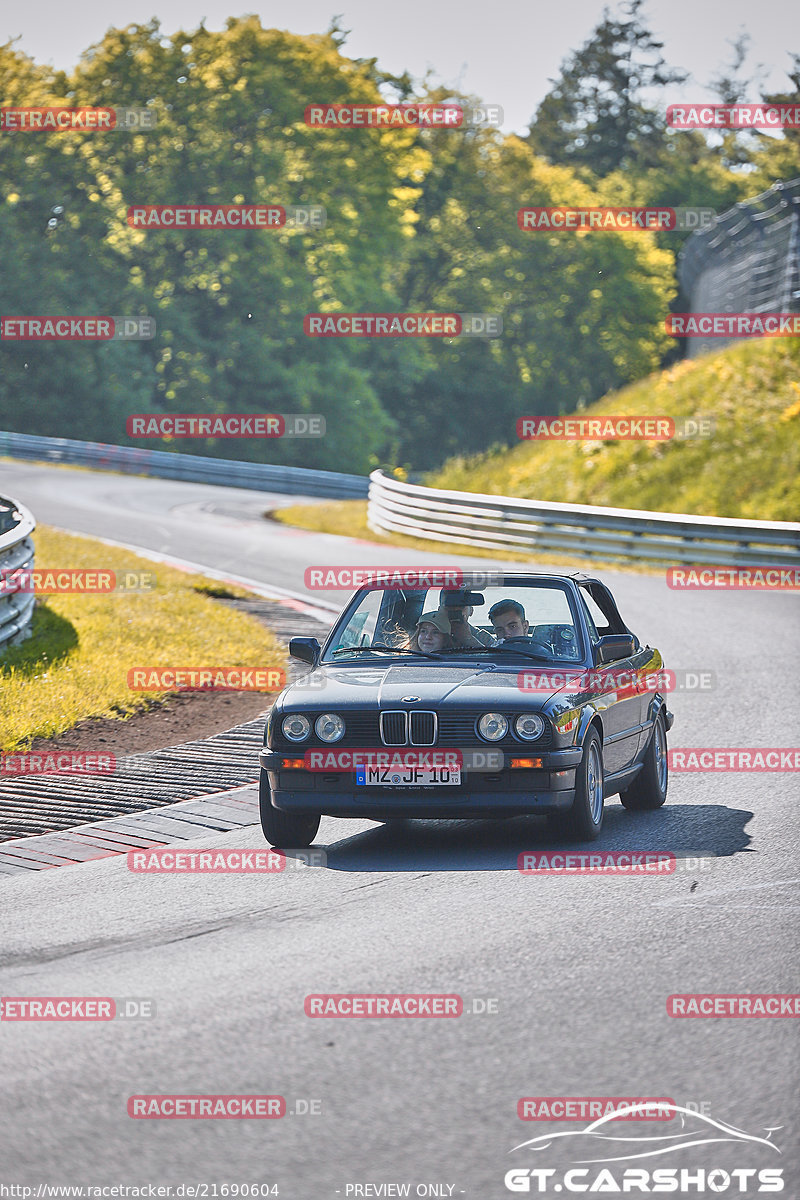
(685, 830)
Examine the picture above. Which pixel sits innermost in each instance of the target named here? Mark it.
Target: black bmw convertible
(529, 696)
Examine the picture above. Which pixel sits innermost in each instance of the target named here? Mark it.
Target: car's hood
(467, 684)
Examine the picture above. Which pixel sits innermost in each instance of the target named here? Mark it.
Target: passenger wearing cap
(508, 619)
(432, 633)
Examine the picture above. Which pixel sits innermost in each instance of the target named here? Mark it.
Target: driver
(508, 619)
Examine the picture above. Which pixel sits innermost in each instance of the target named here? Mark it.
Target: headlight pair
(494, 726)
(297, 728)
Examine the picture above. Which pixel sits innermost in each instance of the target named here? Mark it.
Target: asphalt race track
(573, 973)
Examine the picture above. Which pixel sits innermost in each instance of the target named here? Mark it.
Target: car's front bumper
(506, 793)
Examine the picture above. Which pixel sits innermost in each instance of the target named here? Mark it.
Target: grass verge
(749, 468)
(76, 663)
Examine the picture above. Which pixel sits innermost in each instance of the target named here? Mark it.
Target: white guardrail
(131, 460)
(16, 550)
(472, 519)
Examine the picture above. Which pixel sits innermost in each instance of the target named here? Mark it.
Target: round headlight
(493, 726)
(530, 726)
(296, 727)
(329, 727)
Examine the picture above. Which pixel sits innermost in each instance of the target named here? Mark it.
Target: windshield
(531, 620)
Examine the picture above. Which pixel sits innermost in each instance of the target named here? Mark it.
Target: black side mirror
(307, 649)
(613, 647)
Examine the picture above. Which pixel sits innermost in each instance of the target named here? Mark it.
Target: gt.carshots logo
(211, 679)
(727, 758)
(597, 1145)
(731, 325)
(225, 425)
(76, 329)
(349, 577)
(733, 578)
(419, 324)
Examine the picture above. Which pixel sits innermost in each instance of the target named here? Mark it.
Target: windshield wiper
(381, 646)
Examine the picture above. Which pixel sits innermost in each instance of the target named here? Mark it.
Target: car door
(619, 685)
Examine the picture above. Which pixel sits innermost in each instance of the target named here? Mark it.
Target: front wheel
(649, 788)
(585, 819)
(280, 828)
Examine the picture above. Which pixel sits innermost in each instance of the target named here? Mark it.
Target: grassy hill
(748, 468)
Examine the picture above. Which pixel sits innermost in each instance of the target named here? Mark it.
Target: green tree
(596, 115)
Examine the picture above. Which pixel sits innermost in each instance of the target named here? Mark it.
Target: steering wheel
(537, 647)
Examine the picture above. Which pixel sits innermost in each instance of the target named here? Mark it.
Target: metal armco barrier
(130, 460)
(749, 261)
(16, 550)
(472, 519)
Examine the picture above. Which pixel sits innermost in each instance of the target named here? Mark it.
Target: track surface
(580, 968)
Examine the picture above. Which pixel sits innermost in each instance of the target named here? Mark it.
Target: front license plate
(407, 776)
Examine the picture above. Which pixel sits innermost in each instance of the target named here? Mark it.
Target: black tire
(584, 820)
(281, 829)
(649, 788)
